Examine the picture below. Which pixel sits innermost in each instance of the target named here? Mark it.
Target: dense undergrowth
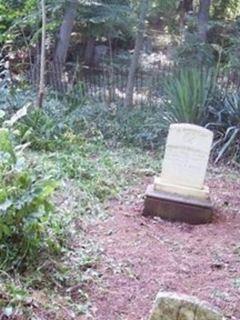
(49, 279)
(190, 95)
(25, 209)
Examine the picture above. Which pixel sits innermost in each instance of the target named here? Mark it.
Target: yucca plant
(227, 129)
(188, 93)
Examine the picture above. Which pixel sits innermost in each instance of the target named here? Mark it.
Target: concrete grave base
(174, 207)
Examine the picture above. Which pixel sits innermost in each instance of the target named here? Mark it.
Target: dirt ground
(141, 256)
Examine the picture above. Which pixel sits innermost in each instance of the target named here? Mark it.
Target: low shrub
(142, 126)
(24, 208)
(94, 179)
(40, 130)
(192, 53)
(14, 97)
(72, 118)
(226, 126)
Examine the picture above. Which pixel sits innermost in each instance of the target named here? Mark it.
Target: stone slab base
(177, 208)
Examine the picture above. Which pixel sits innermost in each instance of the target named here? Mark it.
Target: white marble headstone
(185, 160)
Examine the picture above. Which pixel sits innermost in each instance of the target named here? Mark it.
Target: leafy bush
(221, 47)
(163, 12)
(41, 131)
(192, 53)
(57, 124)
(72, 119)
(12, 97)
(188, 93)
(75, 97)
(227, 128)
(24, 207)
(232, 51)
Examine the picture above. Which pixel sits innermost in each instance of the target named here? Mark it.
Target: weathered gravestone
(172, 306)
(179, 193)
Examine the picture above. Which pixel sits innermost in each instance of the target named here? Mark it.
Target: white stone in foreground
(185, 161)
(171, 306)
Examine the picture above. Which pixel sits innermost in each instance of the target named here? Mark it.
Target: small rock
(172, 306)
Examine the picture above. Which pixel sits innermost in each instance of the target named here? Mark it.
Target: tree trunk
(184, 7)
(89, 52)
(43, 58)
(137, 50)
(65, 32)
(203, 18)
(188, 5)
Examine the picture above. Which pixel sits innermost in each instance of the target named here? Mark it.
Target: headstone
(185, 161)
(172, 306)
(179, 193)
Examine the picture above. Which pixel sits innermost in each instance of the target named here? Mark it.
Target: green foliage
(109, 18)
(17, 16)
(221, 47)
(49, 128)
(188, 93)
(142, 126)
(6, 145)
(232, 50)
(89, 174)
(24, 208)
(14, 98)
(225, 9)
(75, 97)
(165, 12)
(97, 182)
(20, 21)
(227, 129)
(40, 130)
(193, 53)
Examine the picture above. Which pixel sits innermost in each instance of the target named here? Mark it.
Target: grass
(89, 174)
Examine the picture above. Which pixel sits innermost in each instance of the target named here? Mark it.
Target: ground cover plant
(87, 174)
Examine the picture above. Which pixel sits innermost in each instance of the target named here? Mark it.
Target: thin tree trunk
(43, 58)
(65, 32)
(203, 18)
(185, 6)
(188, 5)
(134, 63)
(89, 51)
(112, 88)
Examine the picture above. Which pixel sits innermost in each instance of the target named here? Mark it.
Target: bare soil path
(141, 256)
